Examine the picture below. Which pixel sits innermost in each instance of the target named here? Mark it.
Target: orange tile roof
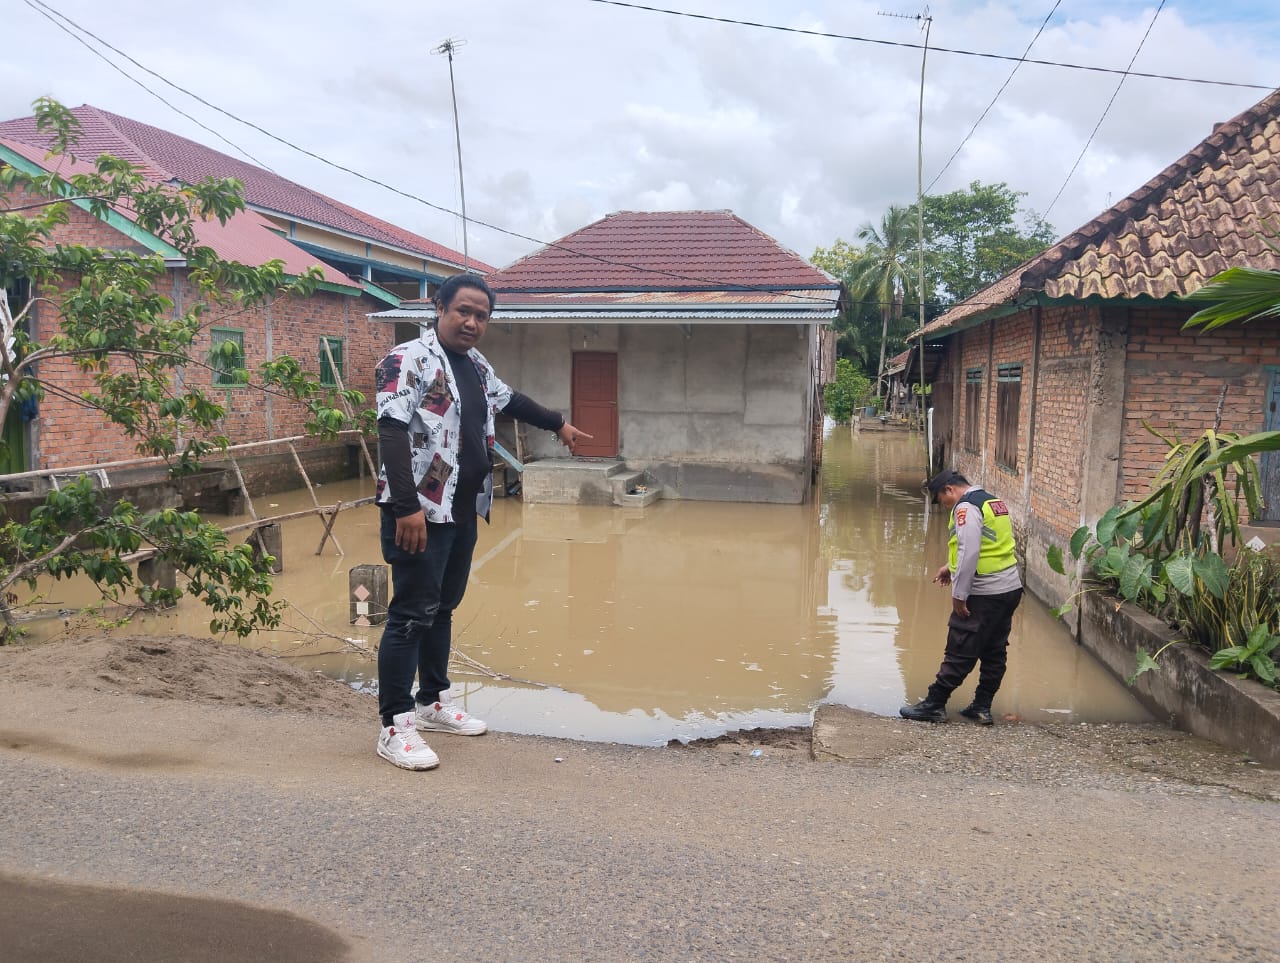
(663, 251)
(1204, 213)
(163, 156)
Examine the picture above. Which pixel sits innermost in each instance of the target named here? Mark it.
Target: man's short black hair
(948, 476)
(446, 291)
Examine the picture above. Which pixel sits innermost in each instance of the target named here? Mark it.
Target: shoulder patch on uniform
(961, 512)
(998, 507)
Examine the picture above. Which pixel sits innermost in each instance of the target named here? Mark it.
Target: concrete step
(570, 481)
(635, 489)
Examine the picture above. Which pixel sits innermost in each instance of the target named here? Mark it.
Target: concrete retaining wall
(1184, 691)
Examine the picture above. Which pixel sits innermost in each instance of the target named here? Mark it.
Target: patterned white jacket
(416, 387)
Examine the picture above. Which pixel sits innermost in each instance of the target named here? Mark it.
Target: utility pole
(926, 23)
(447, 48)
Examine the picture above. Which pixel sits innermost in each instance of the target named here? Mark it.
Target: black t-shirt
(473, 453)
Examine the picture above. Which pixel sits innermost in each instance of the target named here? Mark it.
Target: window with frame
(331, 372)
(973, 409)
(226, 357)
(1008, 402)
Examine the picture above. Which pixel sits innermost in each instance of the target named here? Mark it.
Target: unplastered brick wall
(1175, 380)
(294, 326)
(1067, 338)
(974, 352)
(1014, 344)
(1060, 390)
(68, 432)
(81, 227)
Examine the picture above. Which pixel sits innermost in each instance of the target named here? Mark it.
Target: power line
(49, 13)
(1021, 61)
(378, 183)
(916, 46)
(1105, 111)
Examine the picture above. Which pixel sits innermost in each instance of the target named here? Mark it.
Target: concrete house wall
(713, 412)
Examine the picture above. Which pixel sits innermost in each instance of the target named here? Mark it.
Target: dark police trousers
(982, 637)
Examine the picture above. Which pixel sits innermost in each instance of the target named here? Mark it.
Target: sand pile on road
(179, 667)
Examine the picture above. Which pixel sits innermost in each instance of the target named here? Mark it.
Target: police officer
(982, 570)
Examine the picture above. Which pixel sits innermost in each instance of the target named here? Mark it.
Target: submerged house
(689, 343)
(366, 264)
(1044, 383)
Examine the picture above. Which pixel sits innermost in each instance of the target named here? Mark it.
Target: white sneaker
(447, 717)
(401, 745)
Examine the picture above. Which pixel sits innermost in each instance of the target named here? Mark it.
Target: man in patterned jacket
(437, 397)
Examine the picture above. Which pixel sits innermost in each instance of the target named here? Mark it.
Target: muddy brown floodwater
(683, 619)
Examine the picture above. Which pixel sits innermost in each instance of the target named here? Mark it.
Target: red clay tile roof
(164, 156)
(1204, 213)
(561, 299)
(665, 251)
(247, 237)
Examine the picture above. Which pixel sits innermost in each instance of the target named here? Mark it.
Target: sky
(571, 109)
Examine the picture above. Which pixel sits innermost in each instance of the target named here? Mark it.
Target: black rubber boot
(926, 710)
(978, 713)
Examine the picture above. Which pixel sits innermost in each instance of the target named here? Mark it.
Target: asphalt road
(294, 840)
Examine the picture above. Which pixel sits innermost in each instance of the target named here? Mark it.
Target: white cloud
(574, 109)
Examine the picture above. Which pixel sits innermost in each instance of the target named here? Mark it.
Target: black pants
(425, 589)
(983, 636)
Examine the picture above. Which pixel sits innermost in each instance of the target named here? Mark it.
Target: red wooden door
(595, 401)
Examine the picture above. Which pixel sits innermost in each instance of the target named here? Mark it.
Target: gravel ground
(896, 842)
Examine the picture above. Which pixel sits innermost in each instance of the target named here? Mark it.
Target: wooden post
(328, 525)
(269, 540)
(346, 405)
(157, 573)
(368, 592)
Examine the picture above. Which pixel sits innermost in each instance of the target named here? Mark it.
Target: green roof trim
(351, 290)
(112, 218)
(382, 294)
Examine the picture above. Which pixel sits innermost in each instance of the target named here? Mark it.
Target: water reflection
(685, 619)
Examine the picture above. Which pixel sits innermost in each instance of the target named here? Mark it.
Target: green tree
(116, 326)
(858, 324)
(973, 237)
(847, 392)
(884, 275)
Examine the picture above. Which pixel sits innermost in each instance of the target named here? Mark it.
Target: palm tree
(883, 273)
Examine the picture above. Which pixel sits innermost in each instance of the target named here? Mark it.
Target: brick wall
(1175, 380)
(1067, 338)
(67, 432)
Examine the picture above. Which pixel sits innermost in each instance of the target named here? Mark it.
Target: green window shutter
(226, 356)
(330, 374)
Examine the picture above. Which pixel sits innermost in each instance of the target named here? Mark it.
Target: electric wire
(976, 123)
(557, 245)
(49, 14)
(1115, 93)
(917, 46)
(406, 194)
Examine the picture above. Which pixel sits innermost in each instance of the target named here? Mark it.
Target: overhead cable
(917, 46)
(372, 180)
(1105, 111)
(49, 14)
(1021, 61)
